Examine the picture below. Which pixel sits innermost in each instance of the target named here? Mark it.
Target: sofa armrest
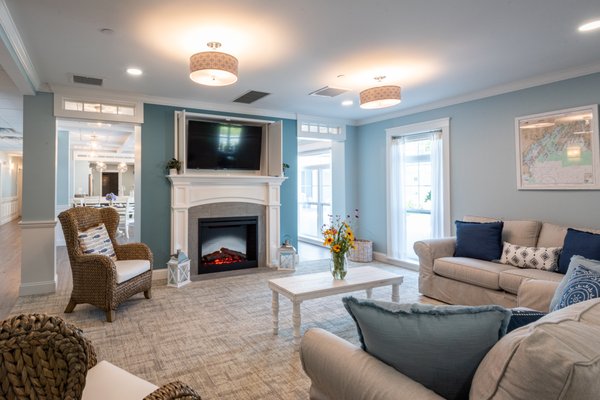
(536, 294)
(340, 370)
(428, 251)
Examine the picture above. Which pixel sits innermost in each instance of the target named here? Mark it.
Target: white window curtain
(397, 209)
(437, 185)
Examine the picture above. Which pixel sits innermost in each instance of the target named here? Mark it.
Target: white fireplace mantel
(189, 190)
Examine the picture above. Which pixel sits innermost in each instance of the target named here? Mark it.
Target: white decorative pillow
(544, 258)
(96, 241)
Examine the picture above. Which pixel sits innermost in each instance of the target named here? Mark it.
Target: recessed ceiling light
(134, 71)
(590, 26)
(347, 103)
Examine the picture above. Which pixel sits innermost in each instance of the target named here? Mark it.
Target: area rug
(215, 335)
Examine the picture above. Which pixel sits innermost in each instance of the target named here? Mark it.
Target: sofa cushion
(127, 269)
(511, 279)
(521, 232)
(585, 244)
(573, 290)
(479, 240)
(402, 335)
(555, 357)
(553, 235)
(470, 270)
(544, 258)
(107, 381)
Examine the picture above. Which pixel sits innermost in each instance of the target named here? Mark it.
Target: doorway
(110, 183)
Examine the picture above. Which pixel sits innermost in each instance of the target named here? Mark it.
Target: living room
(481, 80)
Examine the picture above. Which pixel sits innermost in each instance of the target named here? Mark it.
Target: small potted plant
(284, 167)
(174, 166)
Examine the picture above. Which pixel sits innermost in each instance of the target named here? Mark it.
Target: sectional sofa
(469, 281)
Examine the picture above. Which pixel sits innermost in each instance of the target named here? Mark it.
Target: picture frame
(558, 150)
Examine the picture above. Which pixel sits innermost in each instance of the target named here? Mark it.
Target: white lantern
(288, 258)
(178, 270)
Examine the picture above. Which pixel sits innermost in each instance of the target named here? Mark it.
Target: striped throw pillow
(96, 241)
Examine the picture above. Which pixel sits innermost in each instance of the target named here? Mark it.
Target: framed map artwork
(558, 150)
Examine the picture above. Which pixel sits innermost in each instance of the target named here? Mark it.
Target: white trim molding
(9, 209)
(38, 257)
(20, 67)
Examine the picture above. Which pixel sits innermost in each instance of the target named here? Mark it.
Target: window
(418, 194)
(120, 110)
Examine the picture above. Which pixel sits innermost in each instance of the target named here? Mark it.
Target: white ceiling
(437, 50)
(99, 136)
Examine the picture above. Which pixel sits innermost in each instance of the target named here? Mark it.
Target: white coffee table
(313, 286)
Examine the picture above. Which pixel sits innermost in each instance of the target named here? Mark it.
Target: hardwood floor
(10, 266)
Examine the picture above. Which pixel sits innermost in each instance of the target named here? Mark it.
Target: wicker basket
(363, 251)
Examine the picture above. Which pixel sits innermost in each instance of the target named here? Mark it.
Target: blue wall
(482, 160)
(62, 168)
(157, 148)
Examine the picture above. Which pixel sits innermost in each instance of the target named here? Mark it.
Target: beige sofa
(555, 357)
(467, 281)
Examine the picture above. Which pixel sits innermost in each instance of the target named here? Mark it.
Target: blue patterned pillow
(584, 284)
(96, 241)
(576, 261)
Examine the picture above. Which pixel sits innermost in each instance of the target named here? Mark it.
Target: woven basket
(363, 251)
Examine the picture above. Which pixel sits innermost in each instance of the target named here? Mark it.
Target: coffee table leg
(296, 320)
(369, 293)
(275, 309)
(395, 293)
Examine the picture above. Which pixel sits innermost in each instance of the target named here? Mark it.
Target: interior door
(110, 183)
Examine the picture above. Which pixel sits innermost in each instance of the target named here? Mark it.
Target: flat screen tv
(221, 145)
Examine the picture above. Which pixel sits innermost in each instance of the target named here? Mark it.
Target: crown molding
(539, 80)
(20, 68)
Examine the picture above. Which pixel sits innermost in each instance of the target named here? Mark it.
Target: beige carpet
(215, 335)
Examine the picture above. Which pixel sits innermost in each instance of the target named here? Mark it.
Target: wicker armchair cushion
(95, 240)
(127, 269)
(107, 381)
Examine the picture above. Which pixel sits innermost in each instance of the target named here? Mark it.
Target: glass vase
(338, 265)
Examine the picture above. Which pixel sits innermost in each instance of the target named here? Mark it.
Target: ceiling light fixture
(100, 166)
(134, 71)
(380, 96)
(213, 68)
(347, 103)
(122, 167)
(590, 26)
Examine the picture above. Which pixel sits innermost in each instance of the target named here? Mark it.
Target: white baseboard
(27, 289)
(399, 263)
(159, 274)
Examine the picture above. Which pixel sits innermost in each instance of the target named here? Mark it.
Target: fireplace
(226, 244)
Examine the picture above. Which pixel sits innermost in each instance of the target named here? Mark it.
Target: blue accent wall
(157, 149)
(39, 157)
(482, 160)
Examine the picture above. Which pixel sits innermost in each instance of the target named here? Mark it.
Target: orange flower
(336, 248)
(328, 241)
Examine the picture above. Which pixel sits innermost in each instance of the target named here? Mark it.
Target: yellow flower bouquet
(339, 237)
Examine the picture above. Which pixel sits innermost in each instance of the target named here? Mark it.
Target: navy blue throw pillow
(521, 318)
(479, 240)
(585, 244)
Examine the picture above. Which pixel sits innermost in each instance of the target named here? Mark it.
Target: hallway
(10, 266)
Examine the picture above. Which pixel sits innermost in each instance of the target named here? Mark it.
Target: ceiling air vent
(250, 97)
(87, 80)
(328, 91)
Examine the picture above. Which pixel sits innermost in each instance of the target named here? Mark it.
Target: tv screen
(218, 145)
